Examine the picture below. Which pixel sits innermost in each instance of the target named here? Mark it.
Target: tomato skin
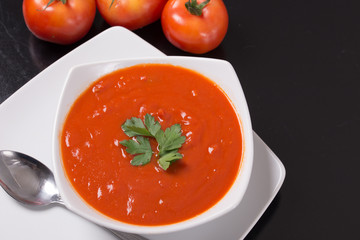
(59, 23)
(131, 14)
(195, 34)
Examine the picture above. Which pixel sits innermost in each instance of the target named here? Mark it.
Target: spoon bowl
(27, 180)
(30, 182)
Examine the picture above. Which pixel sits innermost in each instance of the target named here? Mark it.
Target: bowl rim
(244, 170)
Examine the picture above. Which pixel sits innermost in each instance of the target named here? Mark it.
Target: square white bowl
(219, 71)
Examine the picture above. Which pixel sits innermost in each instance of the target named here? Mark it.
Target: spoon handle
(127, 236)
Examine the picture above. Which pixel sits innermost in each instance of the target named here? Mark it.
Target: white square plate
(26, 123)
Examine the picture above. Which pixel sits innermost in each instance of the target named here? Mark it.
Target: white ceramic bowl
(219, 71)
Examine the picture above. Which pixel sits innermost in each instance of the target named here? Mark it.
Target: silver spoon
(30, 182)
(27, 180)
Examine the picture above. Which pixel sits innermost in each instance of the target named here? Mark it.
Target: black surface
(299, 65)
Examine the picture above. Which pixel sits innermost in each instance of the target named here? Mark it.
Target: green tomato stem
(112, 2)
(194, 8)
(51, 1)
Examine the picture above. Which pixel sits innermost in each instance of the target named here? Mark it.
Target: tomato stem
(51, 1)
(112, 2)
(194, 8)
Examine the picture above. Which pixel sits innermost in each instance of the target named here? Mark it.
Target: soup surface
(99, 168)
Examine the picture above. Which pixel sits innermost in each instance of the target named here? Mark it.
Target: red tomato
(132, 14)
(62, 22)
(192, 33)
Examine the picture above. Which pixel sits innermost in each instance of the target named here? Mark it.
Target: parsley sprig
(169, 141)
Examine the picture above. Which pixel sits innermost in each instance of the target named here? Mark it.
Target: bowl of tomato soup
(152, 145)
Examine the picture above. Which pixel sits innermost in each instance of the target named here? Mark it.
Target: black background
(299, 66)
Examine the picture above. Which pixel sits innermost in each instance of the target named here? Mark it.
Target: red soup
(99, 167)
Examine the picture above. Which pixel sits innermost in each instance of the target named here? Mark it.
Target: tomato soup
(99, 168)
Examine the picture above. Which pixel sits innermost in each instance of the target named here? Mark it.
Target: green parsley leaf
(135, 127)
(141, 147)
(152, 125)
(169, 158)
(170, 140)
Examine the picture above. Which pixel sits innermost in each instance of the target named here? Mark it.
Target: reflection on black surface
(45, 53)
